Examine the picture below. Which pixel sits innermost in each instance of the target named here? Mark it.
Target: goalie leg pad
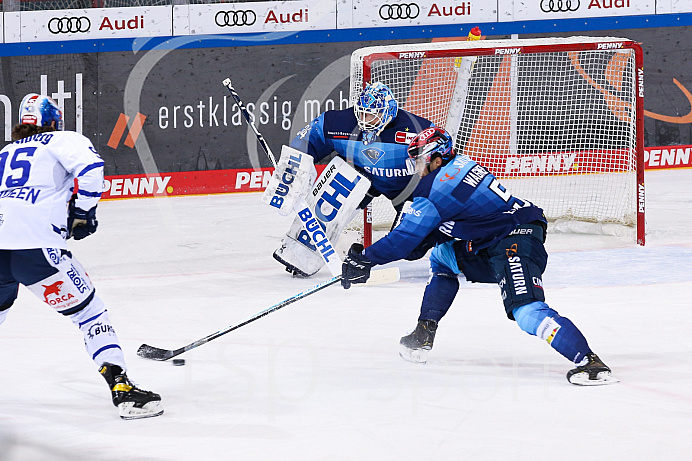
(290, 182)
(334, 198)
(299, 259)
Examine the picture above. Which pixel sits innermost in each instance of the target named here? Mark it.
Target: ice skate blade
(602, 379)
(148, 410)
(414, 355)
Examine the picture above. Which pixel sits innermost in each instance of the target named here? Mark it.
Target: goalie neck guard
(40, 110)
(375, 108)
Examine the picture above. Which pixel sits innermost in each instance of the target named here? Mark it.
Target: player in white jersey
(39, 211)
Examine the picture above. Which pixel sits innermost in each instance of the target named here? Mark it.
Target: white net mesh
(553, 119)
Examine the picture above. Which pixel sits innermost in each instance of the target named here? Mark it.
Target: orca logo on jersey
(372, 154)
(52, 296)
(52, 289)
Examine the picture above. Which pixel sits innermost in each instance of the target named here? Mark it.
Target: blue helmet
(40, 110)
(430, 143)
(375, 108)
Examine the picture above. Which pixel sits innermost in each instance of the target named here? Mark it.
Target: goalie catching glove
(356, 267)
(80, 223)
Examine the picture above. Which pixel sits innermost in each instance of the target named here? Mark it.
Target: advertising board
(96, 23)
(511, 10)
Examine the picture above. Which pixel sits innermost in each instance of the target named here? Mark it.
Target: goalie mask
(40, 110)
(431, 143)
(375, 108)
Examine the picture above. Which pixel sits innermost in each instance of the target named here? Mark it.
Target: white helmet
(40, 110)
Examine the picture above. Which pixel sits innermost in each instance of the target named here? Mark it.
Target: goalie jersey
(385, 162)
(37, 176)
(462, 201)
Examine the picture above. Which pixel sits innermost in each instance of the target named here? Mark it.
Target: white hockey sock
(99, 335)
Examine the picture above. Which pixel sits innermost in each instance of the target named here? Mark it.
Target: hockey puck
(178, 362)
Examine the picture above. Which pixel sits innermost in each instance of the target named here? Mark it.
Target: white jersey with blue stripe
(37, 176)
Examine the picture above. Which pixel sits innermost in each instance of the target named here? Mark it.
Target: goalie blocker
(334, 197)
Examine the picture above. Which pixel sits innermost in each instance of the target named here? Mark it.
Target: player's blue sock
(540, 320)
(438, 297)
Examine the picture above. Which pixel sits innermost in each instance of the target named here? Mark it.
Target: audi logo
(69, 25)
(400, 11)
(235, 18)
(559, 6)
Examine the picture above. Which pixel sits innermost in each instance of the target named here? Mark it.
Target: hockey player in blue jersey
(38, 213)
(482, 231)
(373, 137)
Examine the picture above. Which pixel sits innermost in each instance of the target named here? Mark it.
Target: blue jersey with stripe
(385, 161)
(461, 200)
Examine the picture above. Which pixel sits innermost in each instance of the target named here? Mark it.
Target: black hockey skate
(132, 402)
(593, 373)
(416, 345)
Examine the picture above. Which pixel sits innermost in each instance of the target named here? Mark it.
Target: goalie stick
(154, 353)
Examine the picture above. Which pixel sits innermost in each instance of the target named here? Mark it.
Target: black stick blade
(154, 353)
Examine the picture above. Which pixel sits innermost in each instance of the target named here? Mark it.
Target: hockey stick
(154, 353)
(227, 83)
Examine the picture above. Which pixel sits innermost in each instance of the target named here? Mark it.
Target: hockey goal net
(558, 120)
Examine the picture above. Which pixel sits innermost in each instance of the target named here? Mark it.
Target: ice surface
(321, 379)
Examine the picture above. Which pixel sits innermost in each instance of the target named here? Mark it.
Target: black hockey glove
(356, 267)
(80, 223)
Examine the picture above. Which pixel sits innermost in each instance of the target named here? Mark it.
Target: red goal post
(558, 120)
